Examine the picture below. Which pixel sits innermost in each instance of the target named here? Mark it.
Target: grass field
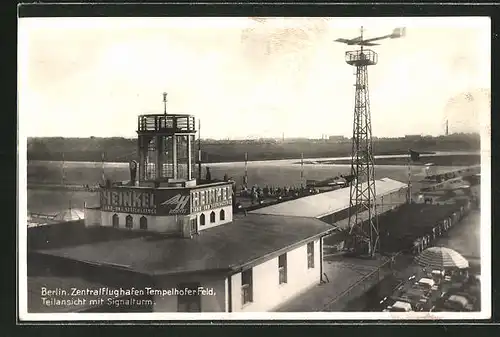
(448, 160)
(260, 173)
(213, 151)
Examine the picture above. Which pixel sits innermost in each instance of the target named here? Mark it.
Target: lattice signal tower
(363, 220)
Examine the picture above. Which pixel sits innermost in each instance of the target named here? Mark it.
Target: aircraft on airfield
(341, 181)
(459, 184)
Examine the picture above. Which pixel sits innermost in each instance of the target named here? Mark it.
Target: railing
(171, 123)
(60, 187)
(42, 216)
(358, 57)
(360, 287)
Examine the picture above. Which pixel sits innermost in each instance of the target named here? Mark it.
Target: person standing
(208, 176)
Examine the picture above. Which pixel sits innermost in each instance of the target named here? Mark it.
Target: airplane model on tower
(359, 41)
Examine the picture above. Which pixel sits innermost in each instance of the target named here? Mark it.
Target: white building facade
(256, 288)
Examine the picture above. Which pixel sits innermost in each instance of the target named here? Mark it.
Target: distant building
(337, 138)
(412, 137)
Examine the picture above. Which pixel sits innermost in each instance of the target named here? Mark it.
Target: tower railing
(363, 57)
(166, 123)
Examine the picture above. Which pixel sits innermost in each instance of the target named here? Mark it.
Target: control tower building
(162, 194)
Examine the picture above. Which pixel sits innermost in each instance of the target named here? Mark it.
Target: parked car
(457, 303)
(427, 284)
(399, 306)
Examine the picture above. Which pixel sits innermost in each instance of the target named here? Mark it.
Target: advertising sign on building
(211, 197)
(146, 201)
(129, 200)
(174, 204)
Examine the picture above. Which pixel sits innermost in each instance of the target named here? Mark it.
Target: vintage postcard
(254, 168)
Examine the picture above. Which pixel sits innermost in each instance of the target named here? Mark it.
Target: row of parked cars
(436, 292)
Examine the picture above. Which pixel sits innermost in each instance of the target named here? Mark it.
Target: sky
(245, 78)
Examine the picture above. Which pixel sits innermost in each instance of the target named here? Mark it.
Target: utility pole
(199, 150)
(63, 171)
(245, 178)
(301, 169)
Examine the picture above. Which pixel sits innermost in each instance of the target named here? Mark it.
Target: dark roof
(246, 240)
(75, 233)
(411, 221)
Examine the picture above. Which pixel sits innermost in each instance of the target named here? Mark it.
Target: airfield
(261, 173)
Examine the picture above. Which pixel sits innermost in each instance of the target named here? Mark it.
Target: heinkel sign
(146, 201)
(213, 197)
(128, 201)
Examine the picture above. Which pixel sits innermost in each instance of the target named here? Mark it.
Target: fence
(393, 263)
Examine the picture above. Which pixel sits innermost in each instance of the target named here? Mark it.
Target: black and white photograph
(254, 168)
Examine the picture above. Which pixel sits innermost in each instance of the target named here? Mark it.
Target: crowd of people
(258, 193)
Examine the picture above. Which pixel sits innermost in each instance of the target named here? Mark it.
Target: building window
(116, 221)
(189, 300)
(129, 222)
(246, 286)
(202, 219)
(310, 255)
(282, 268)
(222, 215)
(212, 217)
(143, 223)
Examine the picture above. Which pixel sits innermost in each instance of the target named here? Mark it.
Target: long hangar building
(167, 243)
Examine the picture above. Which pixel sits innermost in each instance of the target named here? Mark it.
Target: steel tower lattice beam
(362, 190)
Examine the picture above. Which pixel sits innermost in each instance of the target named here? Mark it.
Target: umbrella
(70, 215)
(441, 258)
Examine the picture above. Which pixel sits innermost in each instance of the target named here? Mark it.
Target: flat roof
(323, 204)
(245, 241)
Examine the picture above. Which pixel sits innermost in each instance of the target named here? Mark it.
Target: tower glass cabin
(167, 154)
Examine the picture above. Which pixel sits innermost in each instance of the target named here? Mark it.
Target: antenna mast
(361, 38)
(165, 103)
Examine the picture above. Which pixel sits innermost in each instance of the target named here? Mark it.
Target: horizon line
(270, 138)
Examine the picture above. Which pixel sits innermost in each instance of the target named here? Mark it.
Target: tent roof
(70, 215)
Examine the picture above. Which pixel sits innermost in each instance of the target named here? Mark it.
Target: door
(194, 226)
